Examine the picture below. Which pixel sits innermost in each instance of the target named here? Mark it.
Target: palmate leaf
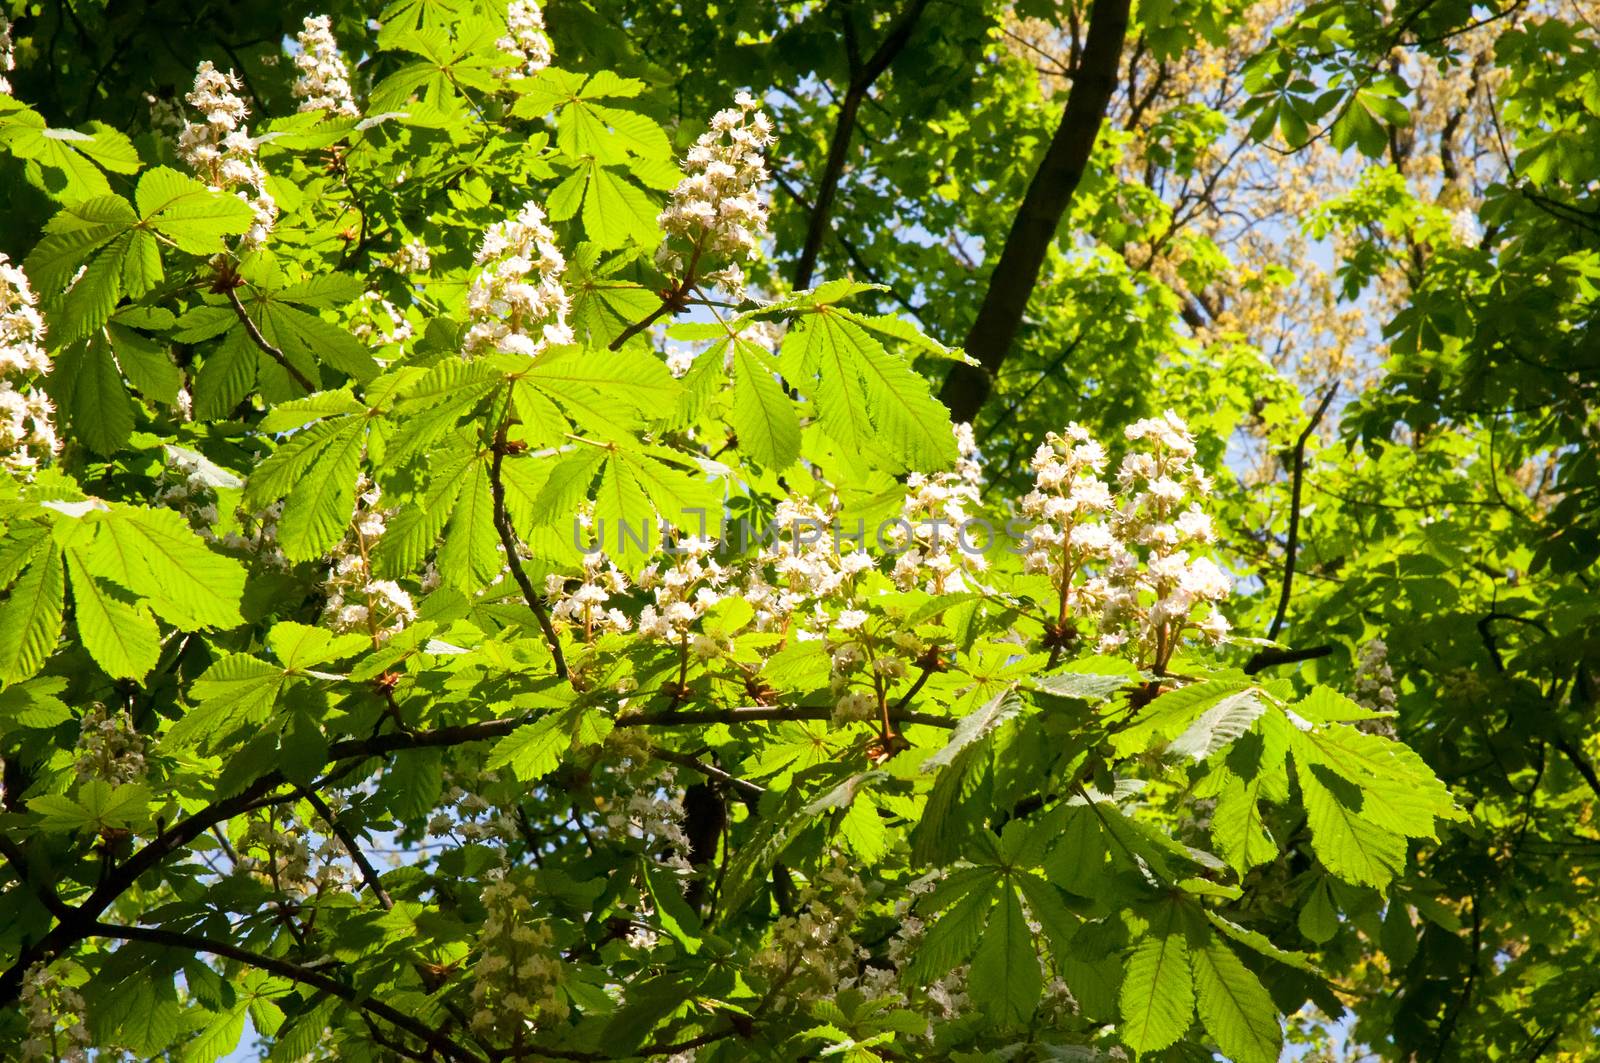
(1157, 998)
(533, 750)
(318, 509)
(1234, 1006)
(1218, 726)
(976, 726)
(862, 389)
(1401, 793)
(951, 940)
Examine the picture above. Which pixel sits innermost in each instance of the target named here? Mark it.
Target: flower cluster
(810, 951)
(220, 150)
(683, 589)
(109, 747)
(1123, 560)
(517, 303)
(465, 813)
(1374, 681)
(584, 606)
(800, 567)
(324, 81)
(8, 59)
(717, 210)
(525, 38)
(27, 424)
(294, 860)
(1156, 585)
(517, 977)
(379, 323)
(928, 535)
(55, 1018)
(356, 600)
(413, 257)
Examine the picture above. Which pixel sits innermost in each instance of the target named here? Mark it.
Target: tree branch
(862, 76)
(261, 341)
(369, 874)
(1292, 547)
(1272, 656)
(508, 539)
(434, 1039)
(1033, 229)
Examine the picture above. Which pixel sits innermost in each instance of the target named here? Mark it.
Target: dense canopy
(934, 529)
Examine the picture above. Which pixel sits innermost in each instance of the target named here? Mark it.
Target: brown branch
(369, 874)
(433, 1038)
(1292, 546)
(1273, 656)
(762, 714)
(272, 352)
(862, 76)
(710, 771)
(508, 539)
(1033, 229)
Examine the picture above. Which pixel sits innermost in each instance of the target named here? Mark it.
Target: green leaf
(318, 510)
(533, 750)
(1234, 1006)
(977, 725)
(154, 554)
(1347, 843)
(1157, 996)
(762, 416)
(102, 411)
(1218, 726)
(1005, 981)
(1318, 919)
(298, 646)
(236, 691)
(30, 620)
(123, 639)
(192, 216)
(951, 940)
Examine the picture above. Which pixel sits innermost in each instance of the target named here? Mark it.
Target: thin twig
(368, 873)
(508, 539)
(261, 341)
(1293, 544)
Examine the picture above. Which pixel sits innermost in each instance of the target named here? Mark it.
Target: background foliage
(1354, 246)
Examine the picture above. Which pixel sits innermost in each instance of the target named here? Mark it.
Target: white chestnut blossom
(517, 976)
(717, 210)
(811, 952)
(413, 257)
(584, 607)
(517, 303)
(357, 601)
(54, 1014)
(936, 553)
(1133, 556)
(525, 38)
(8, 58)
(109, 748)
(27, 418)
(379, 323)
(220, 151)
(324, 81)
(683, 587)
